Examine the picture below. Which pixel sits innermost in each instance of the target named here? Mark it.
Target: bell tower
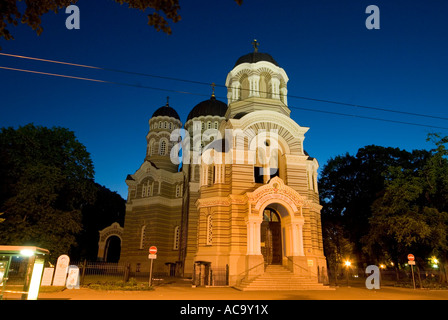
(162, 123)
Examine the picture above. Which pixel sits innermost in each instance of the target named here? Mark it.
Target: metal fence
(94, 272)
(403, 278)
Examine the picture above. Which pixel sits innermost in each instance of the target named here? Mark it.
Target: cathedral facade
(230, 189)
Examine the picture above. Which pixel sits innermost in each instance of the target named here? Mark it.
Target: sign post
(152, 255)
(411, 262)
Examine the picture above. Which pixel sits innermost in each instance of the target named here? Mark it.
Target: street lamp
(435, 262)
(347, 263)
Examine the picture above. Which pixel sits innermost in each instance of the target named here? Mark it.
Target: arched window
(216, 124)
(151, 147)
(142, 236)
(209, 125)
(165, 125)
(162, 148)
(176, 238)
(209, 234)
(160, 124)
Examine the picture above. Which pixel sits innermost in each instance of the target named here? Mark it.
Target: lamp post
(347, 263)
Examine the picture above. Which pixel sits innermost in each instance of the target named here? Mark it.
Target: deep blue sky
(323, 45)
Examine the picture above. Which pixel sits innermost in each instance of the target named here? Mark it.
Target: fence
(92, 272)
(433, 278)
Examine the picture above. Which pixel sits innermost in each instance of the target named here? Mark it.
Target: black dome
(166, 111)
(254, 57)
(211, 107)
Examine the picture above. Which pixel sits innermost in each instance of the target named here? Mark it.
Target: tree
(46, 177)
(108, 207)
(10, 13)
(411, 214)
(350, 184)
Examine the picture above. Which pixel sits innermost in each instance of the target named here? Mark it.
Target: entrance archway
(271, 237)
(112, 250)
(109, 243)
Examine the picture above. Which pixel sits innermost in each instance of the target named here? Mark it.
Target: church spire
(255, 44)
(213, 90)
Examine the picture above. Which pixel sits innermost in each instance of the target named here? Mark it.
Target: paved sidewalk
(188, 293)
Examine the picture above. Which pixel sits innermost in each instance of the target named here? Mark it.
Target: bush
(132, 284)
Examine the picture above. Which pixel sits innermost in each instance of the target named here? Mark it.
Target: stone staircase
(277, 277)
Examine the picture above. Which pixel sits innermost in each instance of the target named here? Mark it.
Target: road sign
(411, 262)
(153, 250)
(152, 256)
(411, 257)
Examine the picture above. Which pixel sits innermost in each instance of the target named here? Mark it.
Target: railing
(245, 274)
(306, 270)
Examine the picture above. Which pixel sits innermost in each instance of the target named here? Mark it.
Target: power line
(223, 86)
(102, 81)
(199, 94)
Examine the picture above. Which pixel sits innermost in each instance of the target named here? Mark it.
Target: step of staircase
(277, 277)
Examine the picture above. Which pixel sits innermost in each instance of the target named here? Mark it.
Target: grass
(131, 285)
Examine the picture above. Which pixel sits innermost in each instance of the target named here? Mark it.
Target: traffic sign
(153, 250)
(411, 257)
(411, 262)
(152, 256)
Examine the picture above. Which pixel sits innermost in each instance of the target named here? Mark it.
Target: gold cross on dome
(255, 44)
(213, 89)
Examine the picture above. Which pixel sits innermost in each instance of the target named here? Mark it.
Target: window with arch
(209, 230)
(176, 238)
(209, 125)
(162, 148)
(165, 125)
(142, 236)
(146, 190)
(151, 147)
(216, 124)
(160, 124)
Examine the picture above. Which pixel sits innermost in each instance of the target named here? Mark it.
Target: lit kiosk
(26, 271)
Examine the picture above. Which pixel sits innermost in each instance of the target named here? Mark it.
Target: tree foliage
(108, 207)
(387, 203)
(411, 214)
(160, 12)
(46, 177)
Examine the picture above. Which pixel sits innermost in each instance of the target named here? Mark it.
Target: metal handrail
(245, 273)
(307, 270)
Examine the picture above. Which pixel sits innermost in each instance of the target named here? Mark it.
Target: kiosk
(22, 267)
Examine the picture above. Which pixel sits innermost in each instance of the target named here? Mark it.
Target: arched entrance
(112, 249)
(271, 237)
(109, 243)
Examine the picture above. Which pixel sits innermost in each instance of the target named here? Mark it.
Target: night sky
(323, 45)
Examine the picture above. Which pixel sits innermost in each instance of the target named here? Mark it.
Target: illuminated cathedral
(243, 203)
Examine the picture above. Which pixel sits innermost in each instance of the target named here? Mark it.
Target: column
(294, 228)
(235, 90)
(253, 236)
(275, 85)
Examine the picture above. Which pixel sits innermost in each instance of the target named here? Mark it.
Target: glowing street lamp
(347, 263)
(435, 262)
